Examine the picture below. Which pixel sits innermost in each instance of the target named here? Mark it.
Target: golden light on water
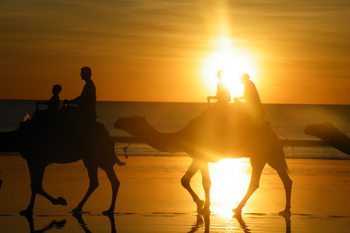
(230, 179)
(233, 61)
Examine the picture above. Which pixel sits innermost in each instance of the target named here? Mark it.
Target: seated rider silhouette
(86, 102)
(223, 95)
(53, 104)
(251, 97)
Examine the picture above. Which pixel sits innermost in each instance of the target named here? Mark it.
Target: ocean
(288, 120)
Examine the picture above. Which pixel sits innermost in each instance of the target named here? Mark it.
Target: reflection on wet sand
(54, 224)
(182, 222)
(242, 224)
(84, 226)
(59, 225)
(199, 223)
(202, 224)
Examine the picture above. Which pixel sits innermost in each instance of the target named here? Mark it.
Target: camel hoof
(108, 212)
(26, 212)
(237, 211)
(205, 211)
(60, 201)
(77, 212)
(285, 213)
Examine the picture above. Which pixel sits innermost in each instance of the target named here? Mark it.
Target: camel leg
(93, 179)
(33, 185)
(206, 182)
(42, 192)
(36, 171)
(287, 183)
(254, 185)
(115, 183)
(185, 181)
(29, 210)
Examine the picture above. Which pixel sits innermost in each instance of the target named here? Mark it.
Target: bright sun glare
(230, 179)
(233, 62)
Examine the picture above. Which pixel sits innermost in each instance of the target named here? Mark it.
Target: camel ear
(26, 117)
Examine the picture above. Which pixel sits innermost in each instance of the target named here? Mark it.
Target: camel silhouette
(41, 142)
(215, 134)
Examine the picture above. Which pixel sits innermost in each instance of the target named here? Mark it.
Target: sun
(233, 61)
(230, 180)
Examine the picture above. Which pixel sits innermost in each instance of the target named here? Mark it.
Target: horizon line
(180, 102)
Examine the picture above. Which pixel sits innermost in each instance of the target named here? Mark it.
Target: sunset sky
(164, 50)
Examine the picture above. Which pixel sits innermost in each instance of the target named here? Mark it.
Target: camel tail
(108, 144)
(119, 162)
(285, 166)
(283, 162)
(279, 163)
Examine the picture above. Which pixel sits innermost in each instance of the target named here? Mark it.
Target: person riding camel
(223, 95)
(87, 100)
(53, 104)
(251, 97)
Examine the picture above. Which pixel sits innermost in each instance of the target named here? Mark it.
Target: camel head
(134, 125)
(319, 130)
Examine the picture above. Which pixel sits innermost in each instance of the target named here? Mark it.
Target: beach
(154, 82)
(151, 198)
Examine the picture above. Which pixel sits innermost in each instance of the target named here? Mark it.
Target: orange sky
(154, 50)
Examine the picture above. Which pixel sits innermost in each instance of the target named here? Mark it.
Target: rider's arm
(73, 101)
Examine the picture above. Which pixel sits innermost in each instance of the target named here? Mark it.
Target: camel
(41, 141)
(218, 133)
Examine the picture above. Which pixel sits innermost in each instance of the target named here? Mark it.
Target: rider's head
(56, 89)
(85, 73)
(244, 77)
(219, 74)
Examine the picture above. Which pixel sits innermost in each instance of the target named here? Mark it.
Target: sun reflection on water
(230, 179)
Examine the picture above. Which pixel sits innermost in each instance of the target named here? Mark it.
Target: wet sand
(151, 198)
